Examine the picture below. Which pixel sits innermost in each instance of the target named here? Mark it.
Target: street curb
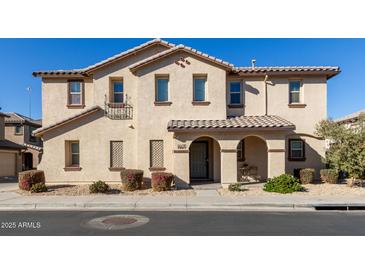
(151, 207)
(137, 206)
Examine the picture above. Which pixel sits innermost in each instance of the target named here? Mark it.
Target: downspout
(265, 81)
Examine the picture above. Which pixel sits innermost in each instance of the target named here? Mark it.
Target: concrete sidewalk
(203, 200)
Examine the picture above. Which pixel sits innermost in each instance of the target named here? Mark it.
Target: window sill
(116, 168)
(235, 106)
(157, 169)
(75, 106)
(200, 103)
(165, 103)
(297, 105)
(296, 159)
(72, 168)
(18, 134)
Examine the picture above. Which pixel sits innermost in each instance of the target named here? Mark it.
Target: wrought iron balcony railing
(118, 111)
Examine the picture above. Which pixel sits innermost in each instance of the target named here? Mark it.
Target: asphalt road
(73, 223)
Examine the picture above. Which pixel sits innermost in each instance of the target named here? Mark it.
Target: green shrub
(27, 179)
(98, 187)
(329, 176)
(131, 179)
(284, 183)
(307, 175)
(39, 187)
(236, 187)
(161, 181)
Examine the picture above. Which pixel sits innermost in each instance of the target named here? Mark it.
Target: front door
(199, 160)
(28, 161)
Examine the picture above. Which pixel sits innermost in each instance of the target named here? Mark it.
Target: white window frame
(72, 153)
(300, 92)
(75, 93)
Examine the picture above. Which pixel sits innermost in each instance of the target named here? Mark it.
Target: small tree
(347, 146)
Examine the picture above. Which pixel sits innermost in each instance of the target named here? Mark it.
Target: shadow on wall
(251, 89)
(73, 125)
(312, 160)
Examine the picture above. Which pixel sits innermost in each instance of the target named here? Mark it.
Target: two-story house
(10, 152)
(19, 129)
(159, 106)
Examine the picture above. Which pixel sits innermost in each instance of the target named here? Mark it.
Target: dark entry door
(28, 161)
(199, 160)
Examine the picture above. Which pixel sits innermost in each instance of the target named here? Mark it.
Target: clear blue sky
(20, 57)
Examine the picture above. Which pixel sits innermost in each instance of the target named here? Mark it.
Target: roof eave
(235, 129)
(134, 69)
(40, 132)
(155, 42)
(328, 74)
(59, 74)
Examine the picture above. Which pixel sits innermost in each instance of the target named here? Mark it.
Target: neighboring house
(351, 119)
(164, 107)
(19, 128)
(10, 153)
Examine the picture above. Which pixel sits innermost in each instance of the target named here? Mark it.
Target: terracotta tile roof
(241, 122)
(85, 71)
(6, 144)
(88, 111)
(180, 47)
(350, 117)
(16, 118)
(331, 71)
(170, 48)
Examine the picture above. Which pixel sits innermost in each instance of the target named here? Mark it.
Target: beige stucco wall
(94, 134)
(55, 96)
(11, 136)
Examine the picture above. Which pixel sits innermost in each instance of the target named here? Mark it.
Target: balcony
(118, 111)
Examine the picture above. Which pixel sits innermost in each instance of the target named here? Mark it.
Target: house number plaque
(181, 146)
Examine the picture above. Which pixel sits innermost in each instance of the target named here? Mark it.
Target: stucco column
(181, 167)
(228, 166)
(276, 162)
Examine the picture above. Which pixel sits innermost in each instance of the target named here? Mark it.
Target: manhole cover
(115, 222)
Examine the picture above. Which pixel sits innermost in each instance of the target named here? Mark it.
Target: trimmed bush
(27, 179)
(131, 179)
(161, 181)
(284, 183)
(307, 175)
(329, 176)
(98, 187)
(39, 187)
(237, 187)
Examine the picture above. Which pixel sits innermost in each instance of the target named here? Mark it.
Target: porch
(219, 154)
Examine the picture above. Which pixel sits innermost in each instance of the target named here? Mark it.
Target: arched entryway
(252, 159)
(204, 160)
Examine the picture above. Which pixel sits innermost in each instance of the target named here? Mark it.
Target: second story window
(32, 138)
(162, 88)
(294, 92)
(235, 93)
(75, 93)
(118, 92)
(200, 83)
(18, 130)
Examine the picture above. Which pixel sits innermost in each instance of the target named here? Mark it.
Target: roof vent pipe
(253, 63)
